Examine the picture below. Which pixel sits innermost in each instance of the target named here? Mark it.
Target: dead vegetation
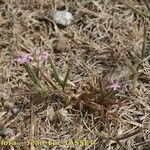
(107, 40)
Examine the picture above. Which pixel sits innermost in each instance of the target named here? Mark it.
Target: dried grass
(106, 38)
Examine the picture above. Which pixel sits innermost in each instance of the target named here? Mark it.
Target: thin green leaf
(32, 75)
(68, 81)
(108, 94)
(56, 75)
(66, 78)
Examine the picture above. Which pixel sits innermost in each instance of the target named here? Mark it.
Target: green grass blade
(56, 75)
(66, 79)
(32, 75)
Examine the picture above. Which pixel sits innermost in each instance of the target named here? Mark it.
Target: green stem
(66, 79)
(56, 75)
(32, 75)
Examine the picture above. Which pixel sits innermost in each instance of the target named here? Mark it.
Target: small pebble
(62, 17)
(7, 131)
(15, 110)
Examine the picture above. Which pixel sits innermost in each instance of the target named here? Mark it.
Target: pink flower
(45, 55)
(24, 58)
(115, 85)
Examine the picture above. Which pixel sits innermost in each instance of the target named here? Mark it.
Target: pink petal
(24, 58)
(45, 55)
(115, 85)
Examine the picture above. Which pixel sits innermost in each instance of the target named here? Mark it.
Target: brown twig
(143, 14)
(129, 134)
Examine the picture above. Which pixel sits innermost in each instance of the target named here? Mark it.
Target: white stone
(15, 110)
(62, 17)
(7, 131)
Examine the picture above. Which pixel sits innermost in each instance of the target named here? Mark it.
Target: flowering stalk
(45, 55)
(24, 59)
(115, 85)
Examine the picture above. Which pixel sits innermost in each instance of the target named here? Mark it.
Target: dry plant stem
(147, 3)
(134, 73)
(128, 135)
(134, 69)
(87, 11)
(123, 147)
(117, 139)
(101, 88)
(144, 45)
(144, 40)
(24, 93)
(125, 137)
(32, 125)
(48, 80)
(142, 61)
(104, 137)
(137, 11)
(145, 59)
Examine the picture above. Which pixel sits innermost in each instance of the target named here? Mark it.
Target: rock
(15, 110)
(62, 18)
(7, 131)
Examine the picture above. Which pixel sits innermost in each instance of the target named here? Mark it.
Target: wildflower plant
(63, 82)
(45, 55)
(115, 85)
(25, 58)
(108, 91)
